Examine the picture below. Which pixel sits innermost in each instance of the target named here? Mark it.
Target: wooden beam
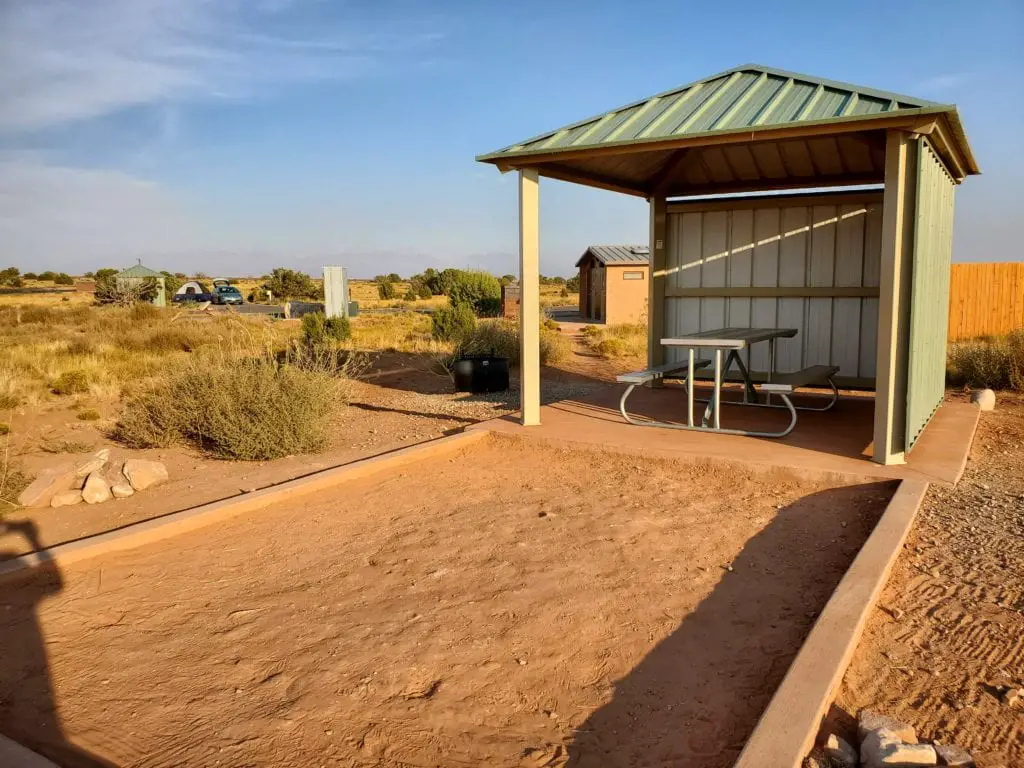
(753, 202)
(667, 169)
(529, 297)
(762, 185)
(851, 292)
(890, 367)
(588, 179)
(658, 245)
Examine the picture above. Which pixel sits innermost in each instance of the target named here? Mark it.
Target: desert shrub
(38, 314)
(30, 276)
(5, 428)
(172, 339)
(103, 274)
(9, 275)
(82, 345)
(500, 338)
(410, 295)
(386, 289)
(551, 324)
(573, 284)
(238, 408)
(287, 284)
(63, 278)
(995, 363)
(481, 290)
(620, 340)
(171, 282)
(47, 276)
(453, 323)
(317, 329)
(12, 483)
(123, 293)
(9, 400)
(88, 414)
(74, 382)
(979, 363)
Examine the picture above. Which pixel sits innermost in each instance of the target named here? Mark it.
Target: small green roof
(746, 99)
(138, 270)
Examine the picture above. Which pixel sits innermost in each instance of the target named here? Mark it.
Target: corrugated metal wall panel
(817, 243)
(929, 306)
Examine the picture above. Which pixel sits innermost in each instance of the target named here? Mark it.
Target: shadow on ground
(28, 701)
(693, 701)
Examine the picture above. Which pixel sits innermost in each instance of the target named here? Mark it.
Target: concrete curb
(787, 728)
(175, 523)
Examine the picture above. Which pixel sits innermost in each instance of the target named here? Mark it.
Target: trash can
(480, 374)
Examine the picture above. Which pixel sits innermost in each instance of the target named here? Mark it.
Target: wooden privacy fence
(985, 299)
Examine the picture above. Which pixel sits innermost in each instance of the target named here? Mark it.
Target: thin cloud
(63, 61)
(948, 81)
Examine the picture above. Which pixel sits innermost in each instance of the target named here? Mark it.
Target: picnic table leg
(718, 388)
(771, 369)
(689, 388)
(749, 393)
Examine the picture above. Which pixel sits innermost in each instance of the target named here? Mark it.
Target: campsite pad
(514, 603)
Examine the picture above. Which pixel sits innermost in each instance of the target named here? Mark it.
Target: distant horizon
(236, 137)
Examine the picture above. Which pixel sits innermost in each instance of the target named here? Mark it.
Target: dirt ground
(516, 605)
(399, 402)
(948, 637)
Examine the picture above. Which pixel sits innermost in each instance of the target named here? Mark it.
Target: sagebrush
(244, 407)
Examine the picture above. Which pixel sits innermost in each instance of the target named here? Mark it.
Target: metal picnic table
(731, 341)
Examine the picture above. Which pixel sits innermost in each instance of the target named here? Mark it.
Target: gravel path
(947, 642)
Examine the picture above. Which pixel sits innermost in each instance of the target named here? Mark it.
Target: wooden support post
(893, 302)
(656, 284)
(529, 301)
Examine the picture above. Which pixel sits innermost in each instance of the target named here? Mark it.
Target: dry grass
(625, 341)
(500, 338)
(995, 363)
(59, 351)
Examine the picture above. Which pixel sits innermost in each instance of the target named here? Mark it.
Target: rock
(96, 490)
(1012, 697)
(47, 484)
(142, 473)
(868, 721)
(66, 498)
(840, 752)
(94, 464)
(985, 399)
(122, 490)
(883, 748)
(950, 754)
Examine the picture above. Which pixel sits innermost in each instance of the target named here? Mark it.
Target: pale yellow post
(893, 305)
(529, 297)
(656, 284)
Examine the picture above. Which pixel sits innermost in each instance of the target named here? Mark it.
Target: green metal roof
(747, 98)
(138, 270)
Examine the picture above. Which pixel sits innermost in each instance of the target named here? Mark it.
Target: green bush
(252, 409)
(11, 276)
(410, 295)
(30, 276)
(104, 273)
(453, 323)
(481, 290)
(63, 278)
(71, 383)
(317, 329)
(287, 284)
(573, 284)
(47, 276)
(89, 414)
(386, 289)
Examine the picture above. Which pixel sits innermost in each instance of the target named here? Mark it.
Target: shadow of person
(28, 702)
(694, 699)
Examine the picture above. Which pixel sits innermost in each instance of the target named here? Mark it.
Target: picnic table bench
(731, 341)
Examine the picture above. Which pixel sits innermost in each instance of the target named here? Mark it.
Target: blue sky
(233, 136)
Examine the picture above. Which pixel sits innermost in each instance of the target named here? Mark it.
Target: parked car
(227, 294)
(192, 295)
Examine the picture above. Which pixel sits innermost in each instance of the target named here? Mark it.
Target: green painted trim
(503, 155)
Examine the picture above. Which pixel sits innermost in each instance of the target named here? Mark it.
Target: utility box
(336, 292)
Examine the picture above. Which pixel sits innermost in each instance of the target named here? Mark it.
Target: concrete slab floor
(833, 441)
